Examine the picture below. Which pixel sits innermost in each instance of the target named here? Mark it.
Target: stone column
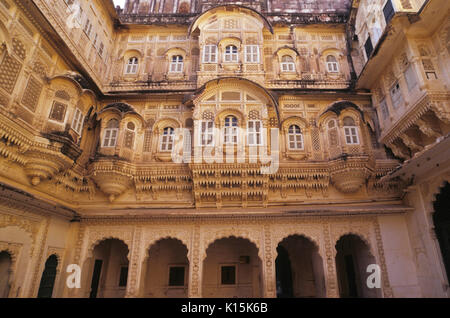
(36, 263)
(195, 265)
(135, 264)
(332, 289)
(387, 290)
(268, 261)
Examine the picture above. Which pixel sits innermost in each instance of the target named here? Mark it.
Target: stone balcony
(424, 122)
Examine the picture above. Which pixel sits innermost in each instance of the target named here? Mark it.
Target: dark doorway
(96, 278)
(352, 259)
(441, 219)
(48, 278)
(5, 272)
(283, 274)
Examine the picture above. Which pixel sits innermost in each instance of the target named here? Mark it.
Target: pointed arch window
(332, 64)
(231, 54)
(176, 65)
(351, 131)
(295, 138)
(111, 133)
(231, 130)
(287, 64)
(167, 139)
(132, 66)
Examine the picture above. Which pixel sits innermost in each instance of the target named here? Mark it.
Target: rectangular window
(368, 47)
(176, 275)
(410, 77)
(351, 135)
(210, 54)
(396, 95)
(77, 122)
(123, 276)
(110, 137)
(207, 133)
(58, 112)
(254, 133)
(388, 11)
(228, 275)
(251, 54)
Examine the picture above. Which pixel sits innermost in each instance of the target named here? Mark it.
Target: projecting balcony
(149, 85)
(398, 25)
(311, 81)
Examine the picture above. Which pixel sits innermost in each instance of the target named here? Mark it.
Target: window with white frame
(287, 64)
(254, 134)
(207, 133)
(176, 65)
(231, 54)
(111, 133)
(332, 64)
(77, 122)
(396, 95)
(295, 138)
(132, 66)
(350, 131)
(252, 54)
(231, 130)
(167, 139)
(210, 54)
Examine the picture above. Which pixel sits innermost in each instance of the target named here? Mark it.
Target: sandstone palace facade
(205, 148)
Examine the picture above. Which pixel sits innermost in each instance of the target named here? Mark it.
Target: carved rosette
(350, 174)
(111, 179)
(43, 164)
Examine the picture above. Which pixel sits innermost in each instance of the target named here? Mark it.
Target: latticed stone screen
(32, 93)
(58, 111)
(9, 70)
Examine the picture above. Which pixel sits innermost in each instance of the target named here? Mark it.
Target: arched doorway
(109, 269)
(299, 269)
(5, 273)
(441, 220)
(352, 259)
(232, 268)
(48, 278)
(166, 270)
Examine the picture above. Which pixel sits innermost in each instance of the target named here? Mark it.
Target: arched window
(332, 64)
(167, 139)
(129, 135)
(295, 138)
(231, 130)
(176, 66)
(350, 131)
(132, 66)
(287, 64)
(111, 132)
(231, 54)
